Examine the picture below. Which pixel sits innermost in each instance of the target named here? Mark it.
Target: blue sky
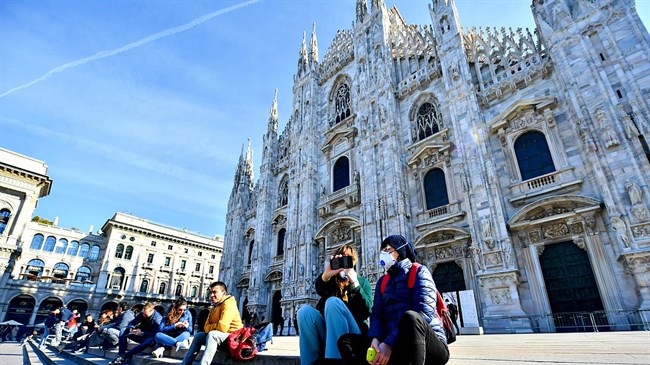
(134, 112)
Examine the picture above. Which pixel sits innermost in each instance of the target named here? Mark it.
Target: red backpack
(242, 344)
(441, 308)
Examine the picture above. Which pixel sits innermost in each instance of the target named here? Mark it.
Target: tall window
(144, 286)
(168, 261)
(284, 191)
(162, 289)
(341, 173)
(4, 219)
(197, 267)
(342, 103)
(194, 292)
(533, 156)
(35, 267)
(435, 189)
(119, 251)
(37, 242)
(60, 271)
(117, 279)
(211, 269)
(50, 242)
(183, 264)
(73, 248)
(61, 246)
(128, 252)
(428, 121)
(250, 251)
(94, 253)
(281, 235)
(150, 258)
(83, 250)
(83, 274)
(179, 290)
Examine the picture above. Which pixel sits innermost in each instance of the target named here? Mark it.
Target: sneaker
(158, 353)
(184, 345)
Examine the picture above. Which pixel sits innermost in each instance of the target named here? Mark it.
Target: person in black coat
(142, 329)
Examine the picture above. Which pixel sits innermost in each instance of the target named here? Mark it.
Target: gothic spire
(248, 161)
(273, 114)
(362, 10)
(303, 61)
(376, 5)
(313, 46)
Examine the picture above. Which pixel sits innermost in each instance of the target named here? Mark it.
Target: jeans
(143, 343)
(316, 330)
(45, 334)
(58, 332)
(163, 339)
(212, 342)
(112, 335)
(417, 343)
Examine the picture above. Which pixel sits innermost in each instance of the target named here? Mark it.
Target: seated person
(107, 335)
(175, 330)
(344, 307)
(223, 319)
(404, 325)
(142, 329)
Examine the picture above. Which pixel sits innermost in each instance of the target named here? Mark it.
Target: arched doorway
(46, 307)
(80, 305)
(108, 305)
(571, 288)
(448, 277)
(160, 309)
(21, 308)
(276, 310)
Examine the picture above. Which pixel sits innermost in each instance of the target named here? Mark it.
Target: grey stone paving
(605, 348)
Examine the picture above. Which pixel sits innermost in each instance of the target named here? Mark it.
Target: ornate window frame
(523, 116)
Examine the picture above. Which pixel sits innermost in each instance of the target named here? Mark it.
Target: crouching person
(404, 326)
(223, 319)
(175, 330)
(142, 329)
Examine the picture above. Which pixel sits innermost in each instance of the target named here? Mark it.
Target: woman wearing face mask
(404, 326)
(344, 306)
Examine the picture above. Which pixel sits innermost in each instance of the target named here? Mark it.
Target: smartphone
(344, 262)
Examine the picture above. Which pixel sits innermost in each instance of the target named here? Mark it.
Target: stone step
(98, 356)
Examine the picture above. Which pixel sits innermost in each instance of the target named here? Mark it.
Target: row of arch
(60, 271)
(23, 308)
(63, 247)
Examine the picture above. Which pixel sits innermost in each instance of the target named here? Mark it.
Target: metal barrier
(596, 321)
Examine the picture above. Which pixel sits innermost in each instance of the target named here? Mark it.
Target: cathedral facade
(516, 162)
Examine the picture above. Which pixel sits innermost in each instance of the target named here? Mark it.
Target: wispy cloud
(117, 154)
(130, 46)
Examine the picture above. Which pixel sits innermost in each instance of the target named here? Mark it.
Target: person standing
(142, 329)
(344, 306)
(50, 321)
(63, 317)
(453, 314)
(224, 319)
(404, 325)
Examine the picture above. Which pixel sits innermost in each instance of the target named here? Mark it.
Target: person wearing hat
(404, 326)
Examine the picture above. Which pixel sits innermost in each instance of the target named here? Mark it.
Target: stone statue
(621, 231)
(486, 227)
(609, 135)
(475, 253)
(628, 124)
(633, 191)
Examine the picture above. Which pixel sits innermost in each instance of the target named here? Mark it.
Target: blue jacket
(149, 326)
(171, 328)
(121, 322)
(65, 314)
(398, 298)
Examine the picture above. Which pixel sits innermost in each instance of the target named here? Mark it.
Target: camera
(344, 262)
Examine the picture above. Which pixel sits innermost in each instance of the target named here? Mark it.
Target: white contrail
(143, 41)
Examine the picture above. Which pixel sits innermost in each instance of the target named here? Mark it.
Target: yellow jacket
(224, 317)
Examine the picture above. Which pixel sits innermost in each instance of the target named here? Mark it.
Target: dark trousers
(143, 343)
(416, 344)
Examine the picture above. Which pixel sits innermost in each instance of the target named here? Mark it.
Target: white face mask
(386, 260)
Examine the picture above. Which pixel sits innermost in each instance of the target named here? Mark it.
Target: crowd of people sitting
(398, 324)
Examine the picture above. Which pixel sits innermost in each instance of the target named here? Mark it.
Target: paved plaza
(603, 348)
